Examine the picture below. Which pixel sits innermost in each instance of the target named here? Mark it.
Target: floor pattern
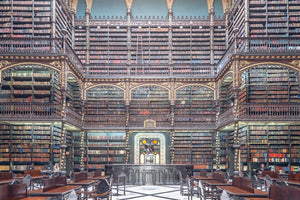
(151, 192)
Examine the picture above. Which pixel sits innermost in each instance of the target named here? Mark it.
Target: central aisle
(166, 192)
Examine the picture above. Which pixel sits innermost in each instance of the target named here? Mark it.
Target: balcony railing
(274, 45)
(150, 70)
(39, 46)
(73, 117)
(276, 112)
(226, 117)
(262, 112)
(268, 45)
(29, 111)
(251, 46)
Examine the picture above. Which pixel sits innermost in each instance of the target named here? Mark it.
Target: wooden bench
(270, 173)
(281, 192)
(80, 176)
(243, 183)
(294, 177)
(6, 175)
(16, 191)
(33, 173)
(54, 182)
(218, 177)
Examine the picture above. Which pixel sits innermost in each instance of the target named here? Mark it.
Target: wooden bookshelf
(294, 145)
(202, 152)
(105, 148)
(223, 152)
(105, 107)
(194, 106)
(30, 85)
(150, 103)
(183, 148)
(28, 146)
(226, 94)
(108, 44)
(269, 84)
(274, 145)
(219, 41)
(73, 96)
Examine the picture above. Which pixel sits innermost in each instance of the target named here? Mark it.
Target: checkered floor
(166, 192)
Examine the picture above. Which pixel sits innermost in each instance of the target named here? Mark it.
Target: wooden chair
(256, 183)
(192, 188)
(103, 190)
(183, 185)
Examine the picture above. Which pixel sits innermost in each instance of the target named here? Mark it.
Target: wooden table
(214, 183)
(237, 192)
(293, 183)
(85, 184)
(257, 198)
(59, 193)
(202, 178)
(6, 181)
(35, 198)
(99, 177)
(35, 179)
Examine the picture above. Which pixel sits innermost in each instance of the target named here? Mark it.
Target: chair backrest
(224, 195)
(103, 187)
(202, 194)
(6, 175)
(72, 196)
(27, 180)
(268, 182)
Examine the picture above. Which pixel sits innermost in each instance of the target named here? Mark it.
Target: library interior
(202, 96)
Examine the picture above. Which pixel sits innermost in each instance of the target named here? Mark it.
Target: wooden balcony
(73, 117)
(39, 46)
(272, 112)
(37, 112)
(262, 112)
(29, 111)
(225, 117)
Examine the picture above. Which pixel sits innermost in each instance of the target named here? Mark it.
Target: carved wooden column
(73, 14)
(170, 14)
(87, 29)
(53, 24)
(212, 16)
(236, 143)
(217, 147)
(247, 30)
(63, 147)
(129, 39)
(82, 150)
(63, 141)
(226, 14)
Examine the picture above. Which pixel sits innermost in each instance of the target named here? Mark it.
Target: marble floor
(151, 192)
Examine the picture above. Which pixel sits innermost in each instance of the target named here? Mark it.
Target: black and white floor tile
(151, 192)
